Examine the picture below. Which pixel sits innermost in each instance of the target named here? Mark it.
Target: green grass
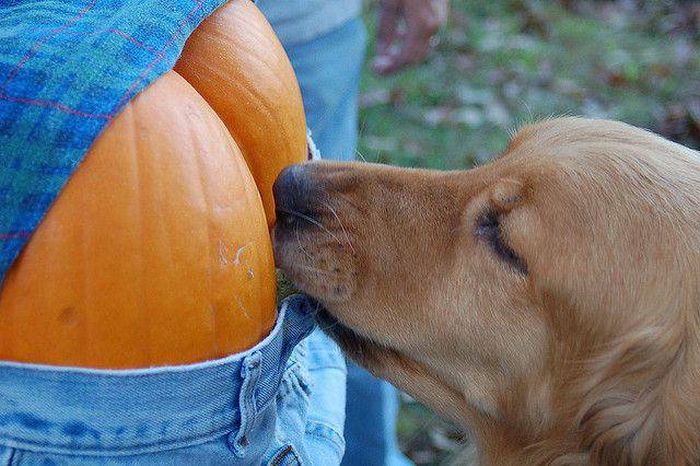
(504, 63)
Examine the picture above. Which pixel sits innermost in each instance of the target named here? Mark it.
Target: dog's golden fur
(549, 301)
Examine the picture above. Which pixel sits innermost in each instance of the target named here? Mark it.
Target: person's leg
(328, 69)
(370, 421)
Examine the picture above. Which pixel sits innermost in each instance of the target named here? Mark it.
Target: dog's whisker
(357, 152)
(342, 227)
(346, 199)
(301, 246)
(311, 220)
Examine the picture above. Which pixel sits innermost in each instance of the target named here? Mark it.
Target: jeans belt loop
(247, 404)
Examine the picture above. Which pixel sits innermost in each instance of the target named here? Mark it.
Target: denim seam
(13, 458)
(154, 447)
(292, 377)
(248, 404)
(327, 366)
(283, 454)
(326, 431)
(293, 366)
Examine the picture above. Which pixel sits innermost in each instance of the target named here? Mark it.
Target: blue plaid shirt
(66, 70)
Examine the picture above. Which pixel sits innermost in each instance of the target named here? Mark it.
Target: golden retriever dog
(548, 301)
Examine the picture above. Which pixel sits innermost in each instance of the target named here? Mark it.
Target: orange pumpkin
(157, 250)
(236, 63)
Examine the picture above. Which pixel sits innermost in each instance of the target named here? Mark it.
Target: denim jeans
(328, 68)
(300, 21)
(279, 403)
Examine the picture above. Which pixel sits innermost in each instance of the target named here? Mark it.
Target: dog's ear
(507, 194)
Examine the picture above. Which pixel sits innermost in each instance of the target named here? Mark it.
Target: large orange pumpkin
(157, 250)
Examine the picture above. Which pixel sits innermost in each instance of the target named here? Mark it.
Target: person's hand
(406, 32)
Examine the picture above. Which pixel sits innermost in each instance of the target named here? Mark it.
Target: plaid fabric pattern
(67, 67)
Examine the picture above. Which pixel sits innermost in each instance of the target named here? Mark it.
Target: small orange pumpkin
(238, 65)
(157, 250)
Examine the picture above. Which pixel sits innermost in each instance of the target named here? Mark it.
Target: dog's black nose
(293, 191)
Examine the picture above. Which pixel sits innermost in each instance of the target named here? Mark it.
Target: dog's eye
(488, 228)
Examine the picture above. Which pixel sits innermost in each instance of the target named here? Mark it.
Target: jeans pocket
(286, 456)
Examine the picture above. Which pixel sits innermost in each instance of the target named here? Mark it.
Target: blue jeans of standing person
(279, 403)
(328, 68)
